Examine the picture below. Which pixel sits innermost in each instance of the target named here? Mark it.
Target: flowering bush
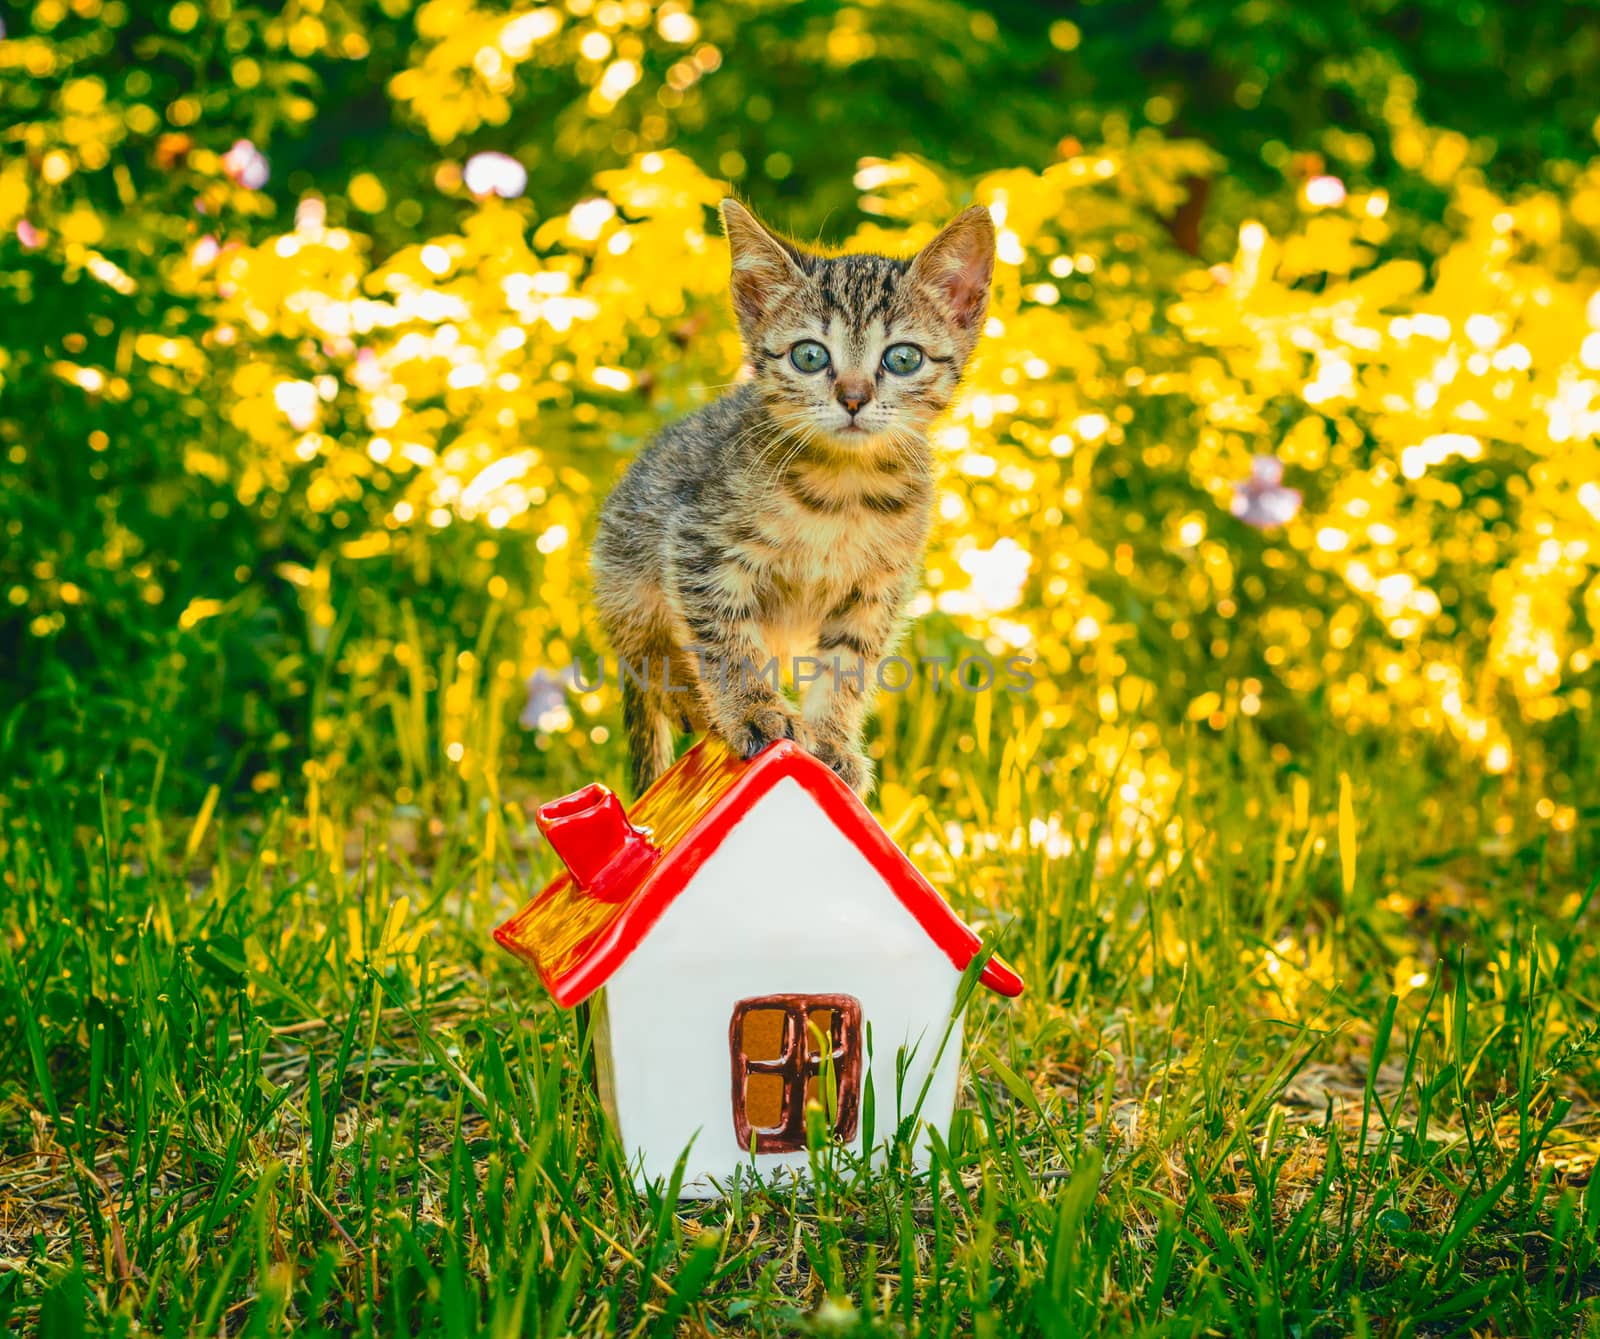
(1345, 460)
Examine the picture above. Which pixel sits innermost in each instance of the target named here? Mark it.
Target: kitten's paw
(853, 768)
(764, 724)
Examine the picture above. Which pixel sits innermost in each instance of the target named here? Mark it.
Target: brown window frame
(796, 1065)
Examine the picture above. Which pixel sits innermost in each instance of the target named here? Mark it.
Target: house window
(789, 1050)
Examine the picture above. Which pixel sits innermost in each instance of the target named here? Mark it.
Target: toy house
(749, 939)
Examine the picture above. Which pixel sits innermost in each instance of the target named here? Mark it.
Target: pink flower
(310, 215)
(28, 235)
(367, 374)
(206, 250)
(246, 165)
(1262, 500)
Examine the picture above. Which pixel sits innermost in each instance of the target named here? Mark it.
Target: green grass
(262, 1069)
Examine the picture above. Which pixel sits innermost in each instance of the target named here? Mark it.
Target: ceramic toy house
(749, 938)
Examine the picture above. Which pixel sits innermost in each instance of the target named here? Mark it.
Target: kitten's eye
(809, 356)
(902, 359)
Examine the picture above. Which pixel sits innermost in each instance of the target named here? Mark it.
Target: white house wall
(785, 905)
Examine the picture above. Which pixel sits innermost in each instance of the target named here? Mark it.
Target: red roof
(623, 871)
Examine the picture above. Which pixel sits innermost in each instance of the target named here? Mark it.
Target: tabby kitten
(788, 518)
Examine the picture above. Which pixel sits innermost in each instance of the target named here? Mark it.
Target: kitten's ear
(959, 263)
(765, 267)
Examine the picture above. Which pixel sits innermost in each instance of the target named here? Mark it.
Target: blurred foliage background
(324, 327)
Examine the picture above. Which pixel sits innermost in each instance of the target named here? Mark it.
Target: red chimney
(606, 854)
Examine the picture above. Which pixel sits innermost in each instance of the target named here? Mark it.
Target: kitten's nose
(852, 392)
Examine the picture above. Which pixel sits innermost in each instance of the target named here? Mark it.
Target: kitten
(789, 517)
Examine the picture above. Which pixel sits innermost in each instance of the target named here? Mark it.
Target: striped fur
(789, 517)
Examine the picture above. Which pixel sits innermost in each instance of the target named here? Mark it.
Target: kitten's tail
(649, 735)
